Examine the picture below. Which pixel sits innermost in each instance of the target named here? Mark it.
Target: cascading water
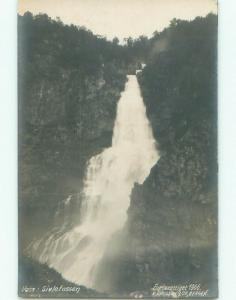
(109, 181)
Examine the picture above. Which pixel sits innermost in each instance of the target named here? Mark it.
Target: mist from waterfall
(109, 180)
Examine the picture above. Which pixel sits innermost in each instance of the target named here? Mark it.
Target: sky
(120, 18)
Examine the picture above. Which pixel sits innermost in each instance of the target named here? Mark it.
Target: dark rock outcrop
(40, 281)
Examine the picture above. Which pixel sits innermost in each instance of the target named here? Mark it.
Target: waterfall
(109, 180)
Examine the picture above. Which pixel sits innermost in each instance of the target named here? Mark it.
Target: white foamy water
(108, 184)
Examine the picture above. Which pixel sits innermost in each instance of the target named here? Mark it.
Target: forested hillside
(171, 232)
(69, 83)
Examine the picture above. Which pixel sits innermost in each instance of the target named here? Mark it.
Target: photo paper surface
(117, 109)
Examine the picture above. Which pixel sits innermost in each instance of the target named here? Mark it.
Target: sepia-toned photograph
(117, 149)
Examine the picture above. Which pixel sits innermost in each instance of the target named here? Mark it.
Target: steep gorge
(171, 232)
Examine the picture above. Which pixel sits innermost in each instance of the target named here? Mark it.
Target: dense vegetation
(172, 220)
(69, 84)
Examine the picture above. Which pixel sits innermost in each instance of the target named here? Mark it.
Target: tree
(115, 41)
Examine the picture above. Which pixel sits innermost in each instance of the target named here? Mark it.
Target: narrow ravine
(109, 180)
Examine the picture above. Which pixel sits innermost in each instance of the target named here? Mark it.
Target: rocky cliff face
(69, 85)
(171, 233)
